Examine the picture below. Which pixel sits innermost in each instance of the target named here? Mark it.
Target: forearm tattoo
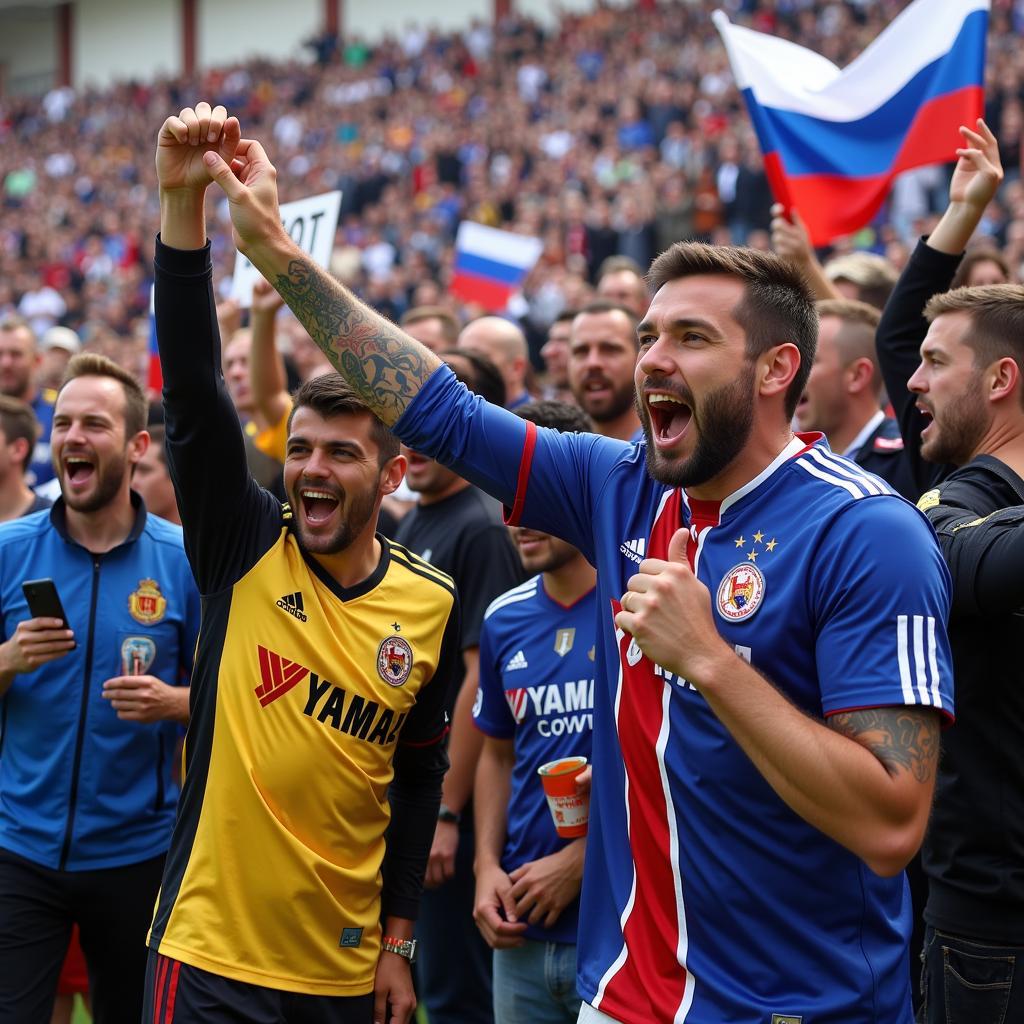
(375, 357)
(901, 738)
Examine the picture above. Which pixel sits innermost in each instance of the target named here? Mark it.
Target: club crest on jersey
(517, 702)
(564, 639)
(741, 592)
(137, 655)
(147, 605)
(394, 660)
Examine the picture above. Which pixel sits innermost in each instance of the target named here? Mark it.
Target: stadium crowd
(611, 137)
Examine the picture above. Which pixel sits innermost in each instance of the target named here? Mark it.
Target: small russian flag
(834, 139)
(154, 372)
(490, 265)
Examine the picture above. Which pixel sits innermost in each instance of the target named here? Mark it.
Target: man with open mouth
(772, 663)
(317, 748)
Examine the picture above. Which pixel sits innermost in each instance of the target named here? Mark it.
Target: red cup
(569, 811)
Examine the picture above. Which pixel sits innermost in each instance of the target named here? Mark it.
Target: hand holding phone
(41, 639)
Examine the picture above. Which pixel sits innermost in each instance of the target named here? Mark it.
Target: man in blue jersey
(772, 663)
(534, 706)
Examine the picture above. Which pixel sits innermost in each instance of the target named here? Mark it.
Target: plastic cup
(569, 811)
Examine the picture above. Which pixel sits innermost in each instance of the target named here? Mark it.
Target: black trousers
(177, 993)
(38, 906)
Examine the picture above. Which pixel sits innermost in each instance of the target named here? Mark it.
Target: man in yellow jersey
(316, 752)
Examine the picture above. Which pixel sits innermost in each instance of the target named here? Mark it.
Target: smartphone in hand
(43, 600)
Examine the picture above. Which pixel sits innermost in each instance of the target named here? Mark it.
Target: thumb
(223, 175)
(679, 545)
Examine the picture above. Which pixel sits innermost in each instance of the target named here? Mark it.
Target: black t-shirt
(974, 851)
(465, 537)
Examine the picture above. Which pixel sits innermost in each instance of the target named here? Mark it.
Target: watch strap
(401, 947)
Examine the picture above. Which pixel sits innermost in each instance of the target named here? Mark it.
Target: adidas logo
(634, 549)
(518, 660)
(292, 604)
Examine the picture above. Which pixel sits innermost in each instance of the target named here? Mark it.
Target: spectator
(89, 800)
(504, 344)
(151, 479)
(980, 266)
(602, 358)
(458, 528)
(434, 326)
(347, 606)
(19, 429)
(527, 877)
(19, 366)
(842, 395)
(555, 353)
(862, 276)
(961, 417)
(621, 280)
(56, 347)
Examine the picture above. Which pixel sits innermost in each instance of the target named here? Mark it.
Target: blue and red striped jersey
(705, 898)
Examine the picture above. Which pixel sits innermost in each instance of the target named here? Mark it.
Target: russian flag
(834, 139)
(490, 265)
(154, 371)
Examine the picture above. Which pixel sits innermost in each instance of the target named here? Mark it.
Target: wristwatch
(403, 947)
(447, 814)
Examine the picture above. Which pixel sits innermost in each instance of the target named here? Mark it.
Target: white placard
(311, 222)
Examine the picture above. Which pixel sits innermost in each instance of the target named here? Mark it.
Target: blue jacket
(80, 789)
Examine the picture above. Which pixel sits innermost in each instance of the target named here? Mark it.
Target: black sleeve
(486, 565)
(985, 555)
(228, 520)
(898, 342)
(421, 760)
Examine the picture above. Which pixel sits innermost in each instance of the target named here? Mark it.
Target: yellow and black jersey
(312, 705)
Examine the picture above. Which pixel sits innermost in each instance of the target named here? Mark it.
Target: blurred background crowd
(616, 132)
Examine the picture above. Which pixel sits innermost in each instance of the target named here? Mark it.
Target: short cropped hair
(598, 306)
(331, 395)
(92, 364)
(777, 305)
(616, 264)
(856, 336)
(484, 378)
(16, 322)
(997, 320)
(18, 421)
(449, 323)
(874, 276)
(561, 416)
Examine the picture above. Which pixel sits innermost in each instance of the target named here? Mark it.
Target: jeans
(969, 982)
(536, 984)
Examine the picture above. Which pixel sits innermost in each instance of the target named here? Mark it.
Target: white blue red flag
(491, 265)
(154, 371)
(834, 139)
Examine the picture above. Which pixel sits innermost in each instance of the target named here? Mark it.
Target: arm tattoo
(384, 367)
(900, 737)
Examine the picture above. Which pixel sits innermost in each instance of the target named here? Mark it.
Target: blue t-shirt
(537, 689)
(705, 897)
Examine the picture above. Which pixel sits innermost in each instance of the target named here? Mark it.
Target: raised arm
(383, 364)
(930, 271)
(791, 241)
(267, 378)
(219, 501)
